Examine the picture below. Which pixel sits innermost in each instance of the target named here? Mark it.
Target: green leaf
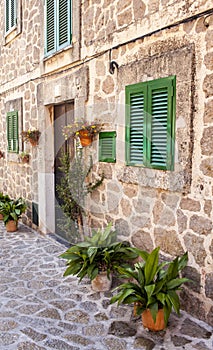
(143, 254)
(93, 273)
(161, 297)
(167, 311)
(159, 286)
(174, 299)
(182, 262)
(72, 270)
(154, 310)
(92, 251)
(14, 216)
(151, 265)
(175, 283)
(149, 289)
(172, 271)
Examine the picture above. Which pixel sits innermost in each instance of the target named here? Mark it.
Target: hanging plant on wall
(24, 157)
(31, 136)
(83, 130)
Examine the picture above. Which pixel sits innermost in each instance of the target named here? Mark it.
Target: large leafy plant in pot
(152, 287)
(3, 199)
(12, 211)
(97, 257)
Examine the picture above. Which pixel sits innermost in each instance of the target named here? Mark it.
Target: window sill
(12, 157)
(11, 35)
(62, 58)
(174, 181)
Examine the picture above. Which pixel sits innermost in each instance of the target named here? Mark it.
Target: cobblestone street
(39, 309)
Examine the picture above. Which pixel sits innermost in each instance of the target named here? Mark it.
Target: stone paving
(40, 309)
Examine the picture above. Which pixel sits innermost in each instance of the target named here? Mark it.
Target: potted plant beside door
(3, 199)
(97, 257)
(152, 288)
(12, 211)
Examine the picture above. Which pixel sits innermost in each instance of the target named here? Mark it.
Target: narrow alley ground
(41, 310)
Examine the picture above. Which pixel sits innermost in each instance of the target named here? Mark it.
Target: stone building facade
(148, 40)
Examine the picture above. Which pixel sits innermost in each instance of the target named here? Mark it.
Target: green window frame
(58, 25)
(12, 132)
(10, 15)
(107, 146)
(150, 123)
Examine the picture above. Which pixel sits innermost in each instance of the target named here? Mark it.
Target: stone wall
(148, 207)
(151, 208)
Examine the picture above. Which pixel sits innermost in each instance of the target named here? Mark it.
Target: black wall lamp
(112, 64)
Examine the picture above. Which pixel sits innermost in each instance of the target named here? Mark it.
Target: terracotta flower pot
(101, 283)
(11, 226)
(148, 321)
(1, 216)
(85, 138)
(25, 159)
(33, 142)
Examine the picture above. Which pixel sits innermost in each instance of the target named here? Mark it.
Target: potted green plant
(84, 130)
(24, 157)
(3, 199)
(97, 257)
(31, 136)
(152, 287)
(12, 211)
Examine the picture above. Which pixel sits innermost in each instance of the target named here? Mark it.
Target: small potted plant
(83, 130)
(1, 154)
(3, 199)
(97, 257)
(152, 287)
(12, 211)
(24, 157)
(31, 136)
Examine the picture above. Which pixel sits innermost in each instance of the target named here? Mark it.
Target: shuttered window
(10, 14)
(58, 25)
(107, 146)
(150, 123)
(12, 132)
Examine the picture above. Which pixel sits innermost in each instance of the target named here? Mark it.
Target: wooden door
(63, 115)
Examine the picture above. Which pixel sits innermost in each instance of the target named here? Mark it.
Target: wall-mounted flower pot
(33, 142)
(25, 159)
(85, 138)
(31, 136)
(12, 226)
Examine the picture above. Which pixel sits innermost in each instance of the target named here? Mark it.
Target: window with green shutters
(150, 123)
(10, 14)
(107, 146)
(57, 25)
(12, 132)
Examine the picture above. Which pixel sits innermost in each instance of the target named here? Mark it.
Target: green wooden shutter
(63, 23)
(58, 25)
(13, 13)
(12, 131)
(160, 119)
(50, 26)
(150, 123)
(7, 15)
(10, 14)
(107, 146)
(135, 123)
(9, 132)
